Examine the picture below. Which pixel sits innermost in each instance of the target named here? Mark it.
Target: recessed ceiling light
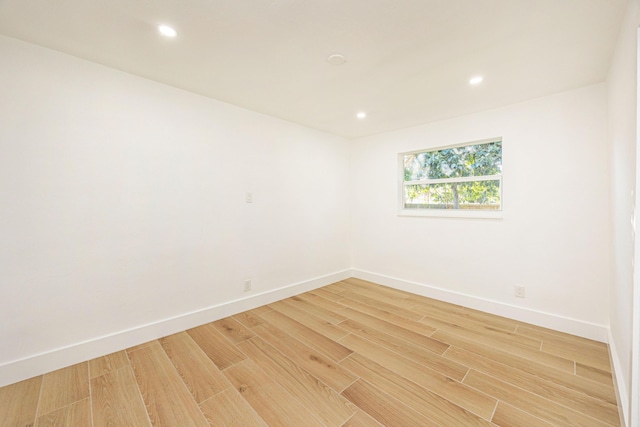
(167, 31)
(476, 80)
(361, 115)
(336, 59)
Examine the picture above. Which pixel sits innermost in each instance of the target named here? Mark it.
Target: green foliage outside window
(453, 168)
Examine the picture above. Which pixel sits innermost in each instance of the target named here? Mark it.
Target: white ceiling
(408, 61)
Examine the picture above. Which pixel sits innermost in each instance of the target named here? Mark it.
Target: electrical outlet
(248, 198)
(247, 285)
(520, 291)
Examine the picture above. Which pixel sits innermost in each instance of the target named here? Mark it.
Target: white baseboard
(38, 364)
(552, 321)
(622, 394)
(58, 358)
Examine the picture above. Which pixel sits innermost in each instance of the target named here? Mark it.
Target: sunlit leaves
(477, 160)
(470, 160)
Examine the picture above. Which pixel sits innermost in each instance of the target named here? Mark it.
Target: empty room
(319, 213)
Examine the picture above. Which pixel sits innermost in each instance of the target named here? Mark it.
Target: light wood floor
(349, 354)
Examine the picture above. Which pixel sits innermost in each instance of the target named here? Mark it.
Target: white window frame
(448, 213)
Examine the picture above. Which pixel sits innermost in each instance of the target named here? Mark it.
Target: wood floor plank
(594, 357)
(580, 402)
(472, 321)
(105, 364)
(492, 319)
(19, 402)
(167, 400)
(545, 334)
(362, 419)
(116, 400)
(533, 367)
(336, 288)
(424, 401)
(333, 304)
(408, 349)
(411, 325)
(383, 407)
(327, 294)
(313, 361)
(382, 305)
(442, 320)
(328, 406)
(248, 319)
(458, 393)
(143, 345)
(63, 387)
(603, 377)
(310, 305)
(229, 409)
(323, 327)
(392, 329)
(421, 300)
(532, 403)
(428, 306)
(560, 363)
(308, 336)
(259, 310)
(74, 415)
(380, 289)
(222, 352)
(273, 403)
(201, 376)
(328, 304)
(233, 330)
(508, 416)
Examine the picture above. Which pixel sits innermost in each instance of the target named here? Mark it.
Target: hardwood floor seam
(541, 397)
(60, 408)
(90, 393)
(138, 389)
(494, 410)
(35, 416)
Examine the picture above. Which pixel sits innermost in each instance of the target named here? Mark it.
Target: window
(463, 180)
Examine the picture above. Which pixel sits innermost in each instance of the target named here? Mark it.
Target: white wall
(123, 204)
(554, 237)
(622, 118)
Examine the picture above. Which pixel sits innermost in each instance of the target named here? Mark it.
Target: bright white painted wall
(555, 234)
(123, 201)
(622, 119)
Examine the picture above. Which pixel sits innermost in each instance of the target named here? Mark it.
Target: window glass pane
(470, 160)
(472, 195)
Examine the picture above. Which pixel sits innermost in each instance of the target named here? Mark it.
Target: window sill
(441, 213)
